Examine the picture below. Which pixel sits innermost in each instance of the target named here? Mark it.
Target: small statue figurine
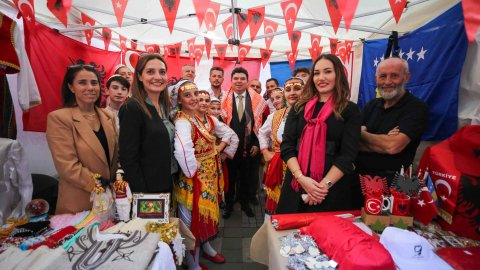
(123, 197)
(102, 199)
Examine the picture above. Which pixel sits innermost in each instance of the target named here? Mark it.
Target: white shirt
(244, 95)
(212, 94)
(265, 132)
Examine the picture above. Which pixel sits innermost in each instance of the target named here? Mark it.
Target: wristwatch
(328, 183)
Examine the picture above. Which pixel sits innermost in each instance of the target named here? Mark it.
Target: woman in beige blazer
(82, 138)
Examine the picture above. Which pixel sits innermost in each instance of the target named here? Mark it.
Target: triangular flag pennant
(123, 47)
(198, 52)
(119, 7)
(200, 8)
(334, 12)
(27, 8)
(211, 16)
(107, 36)
(152, 48)
(228, 28)
(290, 10)
(315, 52)
(294, 39)
(191, 48)
(255, 19)
(170, 8)
(60, 9)
(348, 45)
(341, 51)
(265, 56)
(292, 58)
(242, 52)
(175, 49)
(315, 40)
(133, 45)
(397, 7)
(221, 50)
(87, 21)
(347, 9)
(333, 45)
(269, 27)
(208, 46)
(471, 9)
(242, 20)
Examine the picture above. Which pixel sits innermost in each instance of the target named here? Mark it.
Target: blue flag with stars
(435, 54)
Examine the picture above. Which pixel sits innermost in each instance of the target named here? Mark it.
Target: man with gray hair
(392, 126)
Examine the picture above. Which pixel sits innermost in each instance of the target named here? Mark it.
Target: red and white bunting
(170, 8)
(107, 36)
(123, 47)
(133, 45)
(471, 9)
(315, 40)
(335, 15)
(269, 27)
(255, 20)
(119, 7)
(348, 45)
(341, 52)
(242, 52)
(242, 20)
(315, 52)
(152, 48)
(347, 9)
(87, 21)
(397, 7)
(333, 45)
(292, 59)
(295, 39)
(198, 52)
(290, 11)
(60, 9)
(221, 50)
(208, 46)
(175, 49)
(200, 8)
(265, 56)
(191, 47)
(211, 16)
(27, 9)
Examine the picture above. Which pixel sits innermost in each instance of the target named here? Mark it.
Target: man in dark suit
(242, 110)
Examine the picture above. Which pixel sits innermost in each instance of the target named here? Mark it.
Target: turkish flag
(341, 52)
(333, 45)
(119, 7)
(170, 8)
(46, 44)
(200, 8)
(211, 16)
(87, 21)
(334, 12)
(198, 52)
(290, 10)
(292, 58)
(243, 52)
(315, 40)
(347, 9)
(265, 55)
(242, 20)
(397, 7)
(423, 207)
(107, 36)
(294, 39)
(152, 48)
(191, 47)
(228, 27)
(315, 52)
(123, 47)
(269, 27)
(208, 46)
(60, 9)
(471, 11)
(221, 50)
(27, 8)
(255, 19)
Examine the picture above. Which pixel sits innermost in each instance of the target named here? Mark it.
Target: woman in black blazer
(146, 137)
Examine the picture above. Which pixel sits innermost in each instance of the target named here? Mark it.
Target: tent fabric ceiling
(374, 15)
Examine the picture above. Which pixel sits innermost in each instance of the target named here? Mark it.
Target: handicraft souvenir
(123, 196)
(154, 207)
(102, 200)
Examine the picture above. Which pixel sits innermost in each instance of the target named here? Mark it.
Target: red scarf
(313, 141)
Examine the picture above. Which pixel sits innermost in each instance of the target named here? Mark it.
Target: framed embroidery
(154, 207)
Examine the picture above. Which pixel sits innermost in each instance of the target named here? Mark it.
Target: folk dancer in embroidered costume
(123, 196)
(201, 180)
(270, 138)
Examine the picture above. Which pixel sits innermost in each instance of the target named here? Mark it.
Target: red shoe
(203, 266)
(218, 258)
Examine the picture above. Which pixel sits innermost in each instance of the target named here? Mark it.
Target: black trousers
(243, 179)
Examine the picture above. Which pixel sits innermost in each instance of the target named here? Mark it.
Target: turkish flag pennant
(211, 16)
(87, 21)
(107, 36)
(170, 8)
(228, 29)
(347, 9)
(315, 40)
(333, 45)
(242, 20)
(208, 46)
(123, 47)
(27, 9)
(471, 11)
(60, 9)
(242, 52)
(341, 51)
(221, 50)
(191, 48)
(423, 208)
(294, 39)
(119, 7)
(397, 7)
(133, 45)
(255, 20)
(198, 52)
(315, 52)
(269, 27)
(152, 48)
(292, 58)
(265, 56)
(334, 12)
(290, 10)
(348, 45)
(200, 9)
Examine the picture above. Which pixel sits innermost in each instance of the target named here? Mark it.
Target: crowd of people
(305, 142)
